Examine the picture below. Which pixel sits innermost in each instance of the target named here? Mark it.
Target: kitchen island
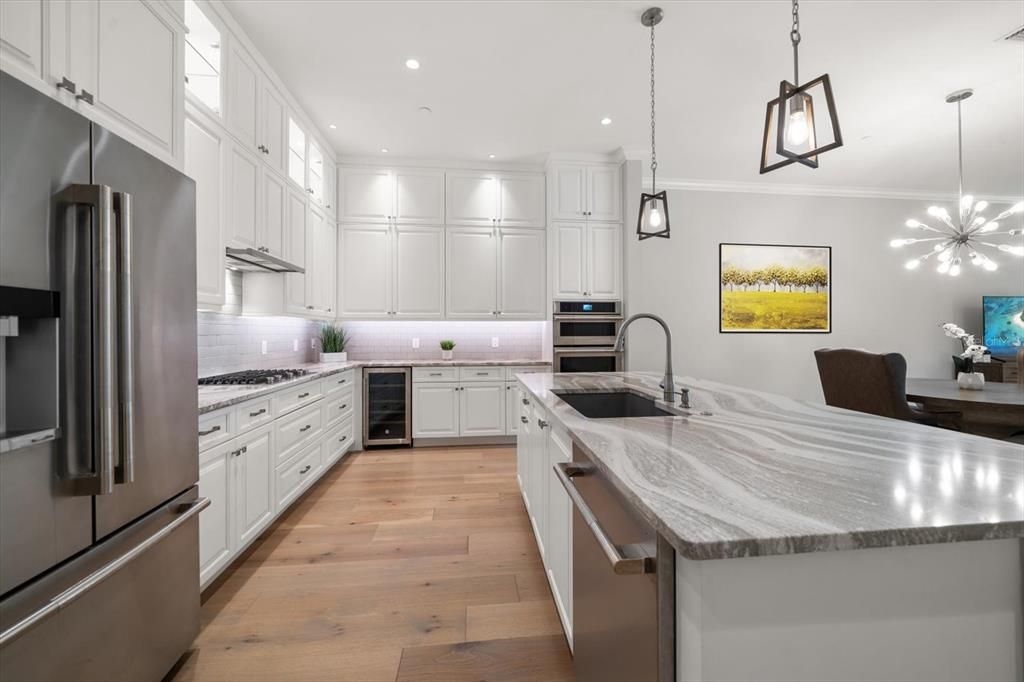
(763, 496)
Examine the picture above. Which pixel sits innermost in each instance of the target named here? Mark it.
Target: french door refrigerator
(99, 567)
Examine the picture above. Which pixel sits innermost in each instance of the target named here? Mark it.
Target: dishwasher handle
(621, 564)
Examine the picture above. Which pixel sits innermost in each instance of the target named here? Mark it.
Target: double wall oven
(584, 334)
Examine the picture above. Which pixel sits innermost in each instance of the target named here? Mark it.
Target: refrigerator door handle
(125, 473)
(70, 595)
(100, 199)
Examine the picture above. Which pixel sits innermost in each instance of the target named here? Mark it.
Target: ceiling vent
(1016, 34)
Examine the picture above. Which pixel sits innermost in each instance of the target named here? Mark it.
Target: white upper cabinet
(273, 220)
(243, 94)
(315, 174)
(523, 275)
(586, 192)
(418, 272)
(21, 38)
(604, 193)
(330, 188)
(364, 263)
(274, 127)
(587, 260)
(295, 251)
(471, 269)
(296, 153)
(204, 164)
(520, 200)
(568, 192)
(404, 196)
(506, 199)
(470, 198)
(569, 241)
(418, 197)
(604, 244)
(204, 64)
(243, 189)
(320, 264)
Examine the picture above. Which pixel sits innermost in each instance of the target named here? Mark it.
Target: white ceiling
(520, 79)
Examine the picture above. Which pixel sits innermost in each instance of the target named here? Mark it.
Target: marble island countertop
(746, 473)
(215, 397)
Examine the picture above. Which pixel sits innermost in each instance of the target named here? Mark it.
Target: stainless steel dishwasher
(623, 577)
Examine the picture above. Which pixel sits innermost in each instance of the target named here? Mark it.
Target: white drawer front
(338, 407)
(481, 373)
(295, 430)
(294, 398)
(338, 442)
(253, 413)
(293, 478)
(511, 372)
(338, 382)
(426, 374)
(215, 427)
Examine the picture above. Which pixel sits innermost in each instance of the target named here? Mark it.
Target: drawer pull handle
(207, 432)
(343, 407)
(525, 401)
(542, 424)
(524, 420)
(343, 439)
(435, 374)
(482, 374)
(305, 469)
(258, 412)
(307, 427)
(304, 395)
(342, 381)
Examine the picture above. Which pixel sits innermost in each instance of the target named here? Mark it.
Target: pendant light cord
(960, 154)
(654, 153)
(794, 37)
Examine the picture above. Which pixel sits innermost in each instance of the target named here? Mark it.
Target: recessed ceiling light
(384, 150)
(490, 156)
(424, 110)
(606, 121)
(412, 64)
(332, 126)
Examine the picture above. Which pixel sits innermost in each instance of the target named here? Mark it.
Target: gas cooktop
(253, 376)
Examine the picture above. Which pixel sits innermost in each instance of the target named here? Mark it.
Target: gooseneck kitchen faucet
(667, 383)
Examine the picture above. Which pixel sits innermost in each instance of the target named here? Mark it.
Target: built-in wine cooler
(387, 406)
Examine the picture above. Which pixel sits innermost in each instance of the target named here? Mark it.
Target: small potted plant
(446, 349)
(971, 353)
(333, 340)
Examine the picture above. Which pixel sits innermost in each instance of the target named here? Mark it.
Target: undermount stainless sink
(613, 404)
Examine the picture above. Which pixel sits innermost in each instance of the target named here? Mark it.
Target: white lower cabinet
(435, 410)
(216, 539)
(482, 409)
(259, 456)
(540, 446)
(252, 463)
(512, 405)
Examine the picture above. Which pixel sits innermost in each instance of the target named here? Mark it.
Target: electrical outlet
(494, 342)
(263, 347)
(415, 342)
(295, 344)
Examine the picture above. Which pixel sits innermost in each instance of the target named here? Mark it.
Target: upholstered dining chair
(872, 383)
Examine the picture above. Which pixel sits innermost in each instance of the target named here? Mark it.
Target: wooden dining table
(997, 410)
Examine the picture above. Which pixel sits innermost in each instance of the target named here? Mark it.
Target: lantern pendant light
(801, 122)
(653, 218)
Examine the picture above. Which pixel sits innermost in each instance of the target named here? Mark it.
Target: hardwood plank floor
(409, 565)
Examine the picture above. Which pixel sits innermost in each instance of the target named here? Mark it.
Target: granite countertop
(215, 397)
(747, 473)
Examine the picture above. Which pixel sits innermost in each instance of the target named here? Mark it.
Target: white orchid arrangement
(972, 350)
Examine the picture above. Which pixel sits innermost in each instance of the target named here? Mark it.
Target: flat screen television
(1004, 323)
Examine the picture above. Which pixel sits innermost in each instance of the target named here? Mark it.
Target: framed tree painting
(775, 288)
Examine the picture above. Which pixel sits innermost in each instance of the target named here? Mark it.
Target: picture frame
(774, 288)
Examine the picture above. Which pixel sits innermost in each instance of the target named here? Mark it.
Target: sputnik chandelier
(968, 236)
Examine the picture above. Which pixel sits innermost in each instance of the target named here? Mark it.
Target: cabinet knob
(542, 424)
(524, 420)
(66, 84)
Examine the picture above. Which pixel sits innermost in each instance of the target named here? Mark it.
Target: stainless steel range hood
(254, 260)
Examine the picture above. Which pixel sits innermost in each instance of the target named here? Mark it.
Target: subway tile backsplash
(392, 340)
(229, 343)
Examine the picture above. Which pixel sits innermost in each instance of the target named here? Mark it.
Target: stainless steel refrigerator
(99, 565)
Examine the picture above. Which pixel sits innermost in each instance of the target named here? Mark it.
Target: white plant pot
(334, 357)
(970, 381)
(447, 354)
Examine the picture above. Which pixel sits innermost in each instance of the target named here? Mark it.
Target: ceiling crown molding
(819, 190)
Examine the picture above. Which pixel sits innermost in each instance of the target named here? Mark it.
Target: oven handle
(593, 318)
(621, 564)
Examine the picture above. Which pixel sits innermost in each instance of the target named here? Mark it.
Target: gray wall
(876, 303)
